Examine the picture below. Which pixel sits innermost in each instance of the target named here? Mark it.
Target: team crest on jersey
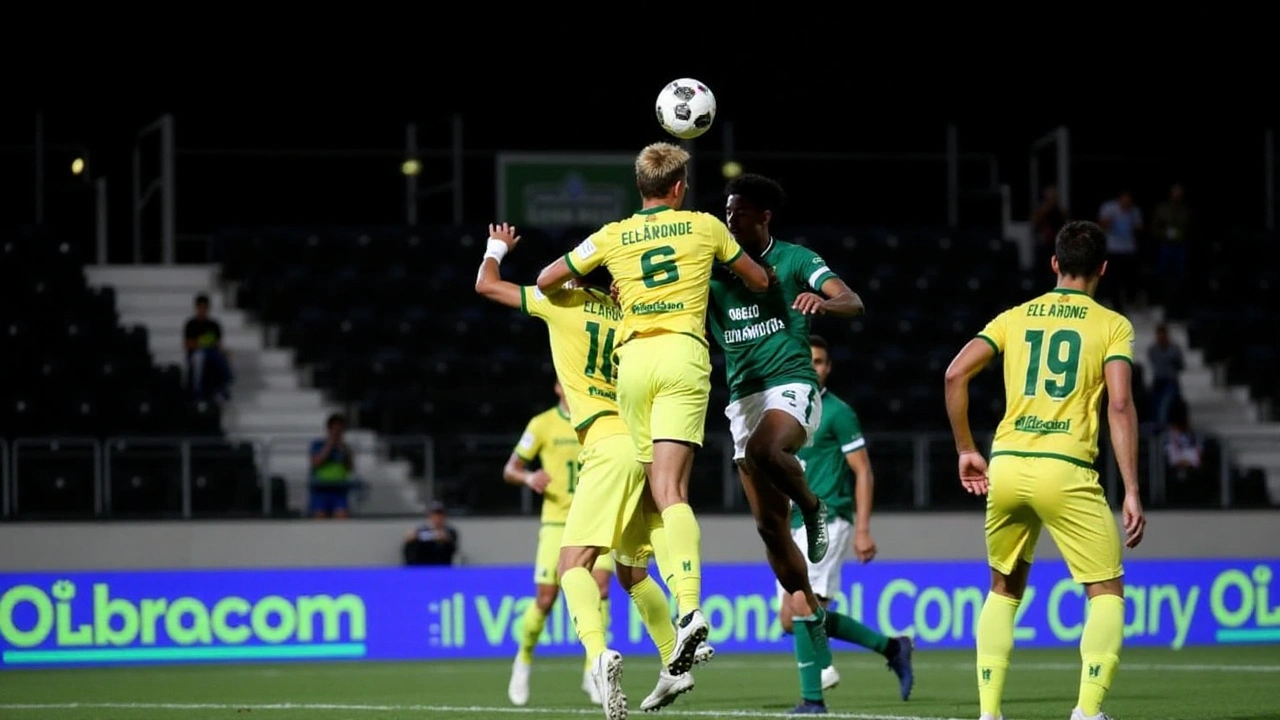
(586, 249)
(816, 260)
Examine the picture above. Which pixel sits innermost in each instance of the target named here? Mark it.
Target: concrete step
(158, 319)
(261, 360)
(189, 278)
(249, 422)
(165, 300)
(285, 401)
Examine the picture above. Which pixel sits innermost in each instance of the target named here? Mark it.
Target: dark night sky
(1144, 137)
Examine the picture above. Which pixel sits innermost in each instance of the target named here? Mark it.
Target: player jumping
(839, 473)
(583, 324)
(661, 259)
(550, 439)
(1061, 351)
(774, 403)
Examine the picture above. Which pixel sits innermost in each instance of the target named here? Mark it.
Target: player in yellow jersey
(550, 440)
(1061, 351)
(612, 508)
(661, 260)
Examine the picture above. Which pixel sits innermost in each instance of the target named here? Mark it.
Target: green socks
(813, 653)
(843, 627)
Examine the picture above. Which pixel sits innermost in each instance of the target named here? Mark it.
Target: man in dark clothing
(434, 543)
(332, 470)
(1171, 226)
(1166, 365)
(208, 370)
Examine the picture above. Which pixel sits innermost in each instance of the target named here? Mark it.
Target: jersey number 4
(599, 356)
(657, 269)
(1062, 361)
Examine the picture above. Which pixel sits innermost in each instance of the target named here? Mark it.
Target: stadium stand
(78, 385)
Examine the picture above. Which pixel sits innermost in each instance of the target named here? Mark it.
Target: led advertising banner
(110, 618)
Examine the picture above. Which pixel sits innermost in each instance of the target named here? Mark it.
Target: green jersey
(765, 341)
(830, 478)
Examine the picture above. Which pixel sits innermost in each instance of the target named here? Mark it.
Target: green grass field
(1217, 683)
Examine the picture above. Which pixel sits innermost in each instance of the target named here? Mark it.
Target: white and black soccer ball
(686, 108)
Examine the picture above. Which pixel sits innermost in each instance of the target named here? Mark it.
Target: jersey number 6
(1062, 361)
(657, 270)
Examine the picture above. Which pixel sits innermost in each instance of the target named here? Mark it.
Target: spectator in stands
(332, 470)
(1122, 220)
(1047, 221)
(433, 543)
(1171, 226)
(1166, 367)
(1183, 450)
(208, 365)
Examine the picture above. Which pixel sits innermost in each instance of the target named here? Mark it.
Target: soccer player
(774, 405)
(661, 259)
(1061, 351)
(839, 473)
(583, 324)
(550, 439)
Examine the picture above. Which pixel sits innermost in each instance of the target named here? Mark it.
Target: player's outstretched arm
(554, 276)
(863, 492)
(1122, 417)
(750, 272)
(489, 282)
(972, 358)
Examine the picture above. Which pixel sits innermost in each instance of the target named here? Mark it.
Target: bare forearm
(844, 305)
(863, 492)
(1124, 440)
(957, 394)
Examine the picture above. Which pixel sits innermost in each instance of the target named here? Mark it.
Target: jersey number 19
(1062, 361)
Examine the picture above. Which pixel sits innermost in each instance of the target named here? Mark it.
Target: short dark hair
(763, 192)
(817, 341)
(1081, 248)
(202, 299)
(335, 419)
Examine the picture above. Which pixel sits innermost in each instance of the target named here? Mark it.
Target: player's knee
(762, 449)
(1105, 587)
(784, 619)
(801, 605)
(773, 530)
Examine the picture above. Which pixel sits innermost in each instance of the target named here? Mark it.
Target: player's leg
(602, 572)
(1075, 511)
(789, 415)
(680, 383)
(770, 509)
(534, 618)
(1012, 529)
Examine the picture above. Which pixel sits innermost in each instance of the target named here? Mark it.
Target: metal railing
(209, 477)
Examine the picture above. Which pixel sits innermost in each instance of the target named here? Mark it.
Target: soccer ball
(686, 108)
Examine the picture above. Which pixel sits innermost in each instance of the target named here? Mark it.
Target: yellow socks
(662, 556)
(583, 597)
(531, 625)
(1100, 650)
(683, 541)
(651, 602)
(995, 644)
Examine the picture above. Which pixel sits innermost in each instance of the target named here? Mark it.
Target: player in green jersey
(774, 405)
(839, 472)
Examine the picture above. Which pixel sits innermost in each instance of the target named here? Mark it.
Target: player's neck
(757, 245)
(1082, 285)
(564, 409)
(653, 203)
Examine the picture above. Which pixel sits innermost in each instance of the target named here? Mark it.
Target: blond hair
(659, 167)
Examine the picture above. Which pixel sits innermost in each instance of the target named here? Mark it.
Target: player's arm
(584, 258)
(1122, 417)
(731, 255)
(489, 282)
(516, 471)
(972, 358)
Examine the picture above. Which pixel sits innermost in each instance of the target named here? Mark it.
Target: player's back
(557, 449)
(1055, 349)
(583, 327)
(661, 260)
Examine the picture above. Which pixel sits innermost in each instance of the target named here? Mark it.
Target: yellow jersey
(582, 327)
(1055, 347)
(552, 441)
(661, 259)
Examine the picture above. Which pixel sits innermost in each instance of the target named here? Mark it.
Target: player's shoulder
(702, 221)
(546, 417)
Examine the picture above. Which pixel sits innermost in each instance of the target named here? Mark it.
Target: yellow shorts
(1028, 493)
(609, 504)
(664, 384)
(546, 564)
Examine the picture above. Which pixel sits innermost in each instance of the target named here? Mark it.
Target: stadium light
(731, 169)
(411, 167)
(77, 166)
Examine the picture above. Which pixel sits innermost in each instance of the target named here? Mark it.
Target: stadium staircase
(271, 403)
(1227, 411)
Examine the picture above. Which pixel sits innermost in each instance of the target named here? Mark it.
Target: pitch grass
(1219, 683)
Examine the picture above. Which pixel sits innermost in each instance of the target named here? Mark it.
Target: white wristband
(495, 249)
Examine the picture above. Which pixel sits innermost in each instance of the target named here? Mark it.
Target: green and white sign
(565, 189)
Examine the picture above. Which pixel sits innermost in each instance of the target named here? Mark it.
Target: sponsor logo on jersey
(754, 332)
(656, 308)
(1034, 424)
